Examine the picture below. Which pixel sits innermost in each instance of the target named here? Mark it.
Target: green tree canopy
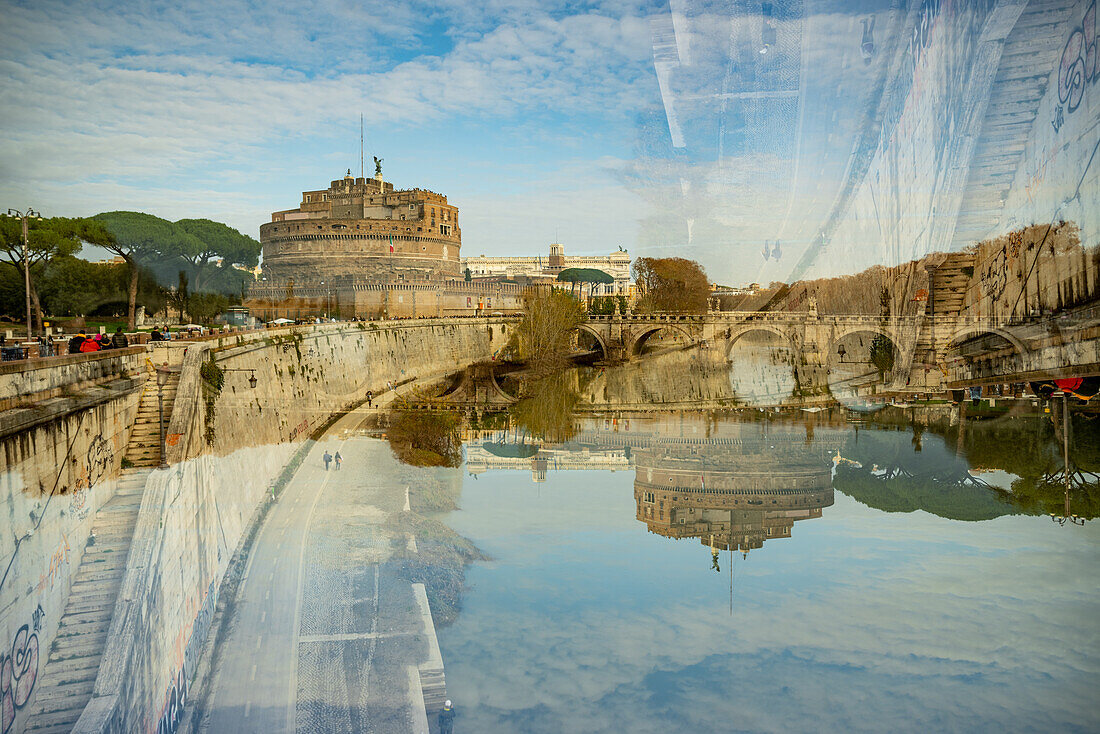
(140, 239)
(47, 239)
(584, 275)
(210, 241)
(195, 245)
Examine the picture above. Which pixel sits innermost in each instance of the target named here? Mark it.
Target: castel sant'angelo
(361, 248)
(363, 227)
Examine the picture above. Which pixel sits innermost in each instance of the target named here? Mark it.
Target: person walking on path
(447, 718)
(338, 459)
(370, 399)
(327, 459)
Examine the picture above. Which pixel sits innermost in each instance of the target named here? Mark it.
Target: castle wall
(363, 299)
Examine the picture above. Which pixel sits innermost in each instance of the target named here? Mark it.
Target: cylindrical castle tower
(363, 228)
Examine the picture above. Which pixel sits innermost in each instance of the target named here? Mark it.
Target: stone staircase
(945, 298)
(65, 685)
(143, 450)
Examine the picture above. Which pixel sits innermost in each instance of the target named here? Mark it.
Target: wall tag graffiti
(1078, 67)
(18, 674)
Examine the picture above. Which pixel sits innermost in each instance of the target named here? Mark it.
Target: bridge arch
(638, 340)
(600, 338)
(736, 332)
(848, 375)
(869, 327)
(973, 330)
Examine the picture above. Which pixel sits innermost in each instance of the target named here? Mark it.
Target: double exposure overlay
(628, 365)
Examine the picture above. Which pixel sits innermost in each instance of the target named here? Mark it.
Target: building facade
(545, 268)
(363, 228)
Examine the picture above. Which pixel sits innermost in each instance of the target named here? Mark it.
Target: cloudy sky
(516, 111)
(860, 621)
(702, 128)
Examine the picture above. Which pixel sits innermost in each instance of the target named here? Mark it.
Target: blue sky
(657, 125)
(516, 111)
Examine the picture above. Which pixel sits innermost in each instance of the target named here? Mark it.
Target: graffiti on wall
(187, 648)
(98, 463)
(175, 702)
(1077, 68)
(78, 504)
(58, 560)
(19, 671)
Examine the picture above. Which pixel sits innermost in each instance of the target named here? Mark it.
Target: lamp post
(162, 380)
(24, 216)
(252, 381)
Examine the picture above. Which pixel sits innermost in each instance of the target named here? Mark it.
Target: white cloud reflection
(861, 621)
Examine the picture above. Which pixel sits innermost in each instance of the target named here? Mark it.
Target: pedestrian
(338, 459)
(370, 398)
(119, 340)
(328, 459)
(447, 718)
(75, 343)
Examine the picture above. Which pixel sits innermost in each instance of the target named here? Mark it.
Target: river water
(779, 569)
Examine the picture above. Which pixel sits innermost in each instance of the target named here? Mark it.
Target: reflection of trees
(896, 478)
(546, 409)
(1031, 448)
(426, 438)
(897, 491)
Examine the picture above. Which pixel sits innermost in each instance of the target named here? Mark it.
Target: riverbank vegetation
(544, 338)
(426, 438)
(670, 284)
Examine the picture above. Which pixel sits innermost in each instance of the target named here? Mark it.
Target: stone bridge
(929, 352)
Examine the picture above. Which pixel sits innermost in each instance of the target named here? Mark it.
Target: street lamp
(26, 257)
(162, 380)
(252, 381)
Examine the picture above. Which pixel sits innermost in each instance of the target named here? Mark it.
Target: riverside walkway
(324, 636)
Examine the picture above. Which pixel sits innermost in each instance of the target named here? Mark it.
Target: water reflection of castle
(732, 484)
(730, 498)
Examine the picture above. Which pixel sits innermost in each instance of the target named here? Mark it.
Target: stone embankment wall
(370, 299)
(64, 426)
(225, 450)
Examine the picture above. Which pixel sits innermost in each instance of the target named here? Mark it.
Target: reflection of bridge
(972, 349)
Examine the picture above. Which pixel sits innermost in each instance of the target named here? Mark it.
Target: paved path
(326, 636)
